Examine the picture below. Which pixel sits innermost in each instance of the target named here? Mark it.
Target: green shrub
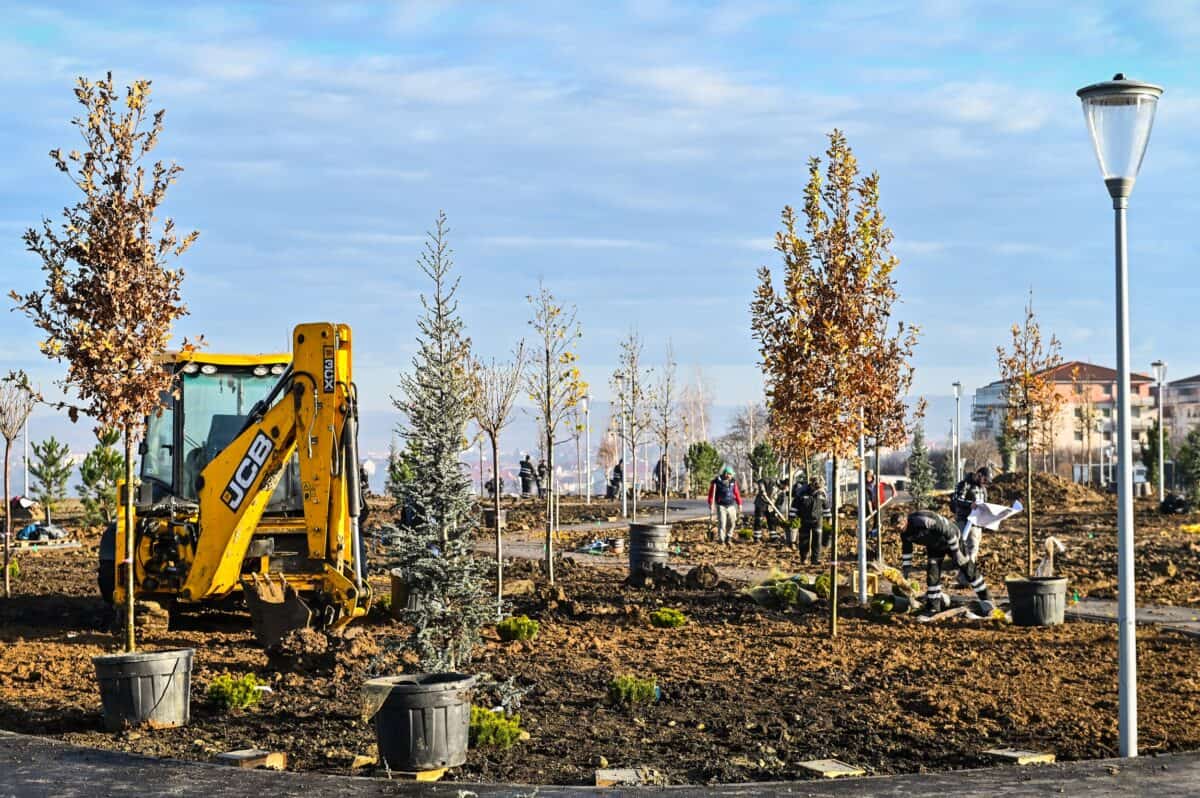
(745, 533)
(822, 586)
(228, 692)
(493, 728)
(667, 618)
(519, 627)
(14, 569)
(785, 592)
(630, 690)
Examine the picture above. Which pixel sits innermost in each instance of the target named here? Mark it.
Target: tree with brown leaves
(111, 297)
(555, 385)
(833, 362)
(1030, 397)
(17, 400)
(496, 387)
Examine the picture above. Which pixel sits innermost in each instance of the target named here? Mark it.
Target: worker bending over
(940, 537)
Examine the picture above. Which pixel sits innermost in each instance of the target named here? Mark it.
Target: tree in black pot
(448, 601)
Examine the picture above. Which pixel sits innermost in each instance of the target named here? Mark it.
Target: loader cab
(213, 396)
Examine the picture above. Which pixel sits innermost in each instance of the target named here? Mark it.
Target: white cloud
(700, 86)
(1010, 109)
(568, 242)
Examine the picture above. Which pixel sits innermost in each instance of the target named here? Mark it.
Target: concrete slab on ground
(33, 767)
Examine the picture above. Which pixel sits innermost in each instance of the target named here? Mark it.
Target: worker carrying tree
(940, 538)
(723, 493)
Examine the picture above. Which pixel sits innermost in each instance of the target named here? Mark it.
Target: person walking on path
(527, 476)
(723, 494)
(811, 504)
(940, 538)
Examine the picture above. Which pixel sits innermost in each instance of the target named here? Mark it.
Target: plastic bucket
(151, 689)
(422, 720)
(1039, 601)
(649, 544)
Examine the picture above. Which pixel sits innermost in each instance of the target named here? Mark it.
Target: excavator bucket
(275, 608)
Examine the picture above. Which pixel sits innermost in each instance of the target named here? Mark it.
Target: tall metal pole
(1126, 607)
(587, 449)
(25, 460)
(1160, 373)
(958, 463)
(862, 518)
(624, 498)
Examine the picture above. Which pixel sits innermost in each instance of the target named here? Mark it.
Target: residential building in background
(1181, 410)
(1088, 392)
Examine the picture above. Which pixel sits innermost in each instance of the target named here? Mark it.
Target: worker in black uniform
(527, 476)
(940, 538)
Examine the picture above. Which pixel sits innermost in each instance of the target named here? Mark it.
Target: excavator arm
(311, 412)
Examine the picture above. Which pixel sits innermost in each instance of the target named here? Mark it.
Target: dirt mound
(1049, 491)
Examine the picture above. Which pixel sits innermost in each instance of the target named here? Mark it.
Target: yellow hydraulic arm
(312, 412)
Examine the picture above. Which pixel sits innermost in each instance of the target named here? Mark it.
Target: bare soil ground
(747, 692)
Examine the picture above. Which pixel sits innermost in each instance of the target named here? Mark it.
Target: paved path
(32, 767)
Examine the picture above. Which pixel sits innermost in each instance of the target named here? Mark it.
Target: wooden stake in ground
(16, 403)
(110, 299)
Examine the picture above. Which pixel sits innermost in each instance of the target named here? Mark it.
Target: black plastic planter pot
(649, 545)
(422, 720)
(145, 689)
(1039, 601)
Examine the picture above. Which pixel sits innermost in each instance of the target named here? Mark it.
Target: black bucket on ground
(145, 689)
(648, 545)
(422, 720)
(1039, 601)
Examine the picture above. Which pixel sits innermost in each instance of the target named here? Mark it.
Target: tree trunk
(1029, 502)
(833, 553)
(130, 641)
(7, 523)
(633, 451)
(496, 507)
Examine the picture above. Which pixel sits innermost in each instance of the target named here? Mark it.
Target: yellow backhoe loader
(250, 484)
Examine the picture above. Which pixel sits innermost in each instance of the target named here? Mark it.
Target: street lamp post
(958, 467)
(1120, 115)
(1160, 376)
(587, 447)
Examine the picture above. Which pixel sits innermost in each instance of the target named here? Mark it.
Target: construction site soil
(747, 692)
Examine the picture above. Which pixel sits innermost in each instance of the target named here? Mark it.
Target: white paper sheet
(989, 516)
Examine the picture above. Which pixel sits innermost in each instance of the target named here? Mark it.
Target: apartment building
(1086, 390)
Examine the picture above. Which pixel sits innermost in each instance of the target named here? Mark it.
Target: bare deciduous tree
(17, 400)
(110, 298)
(663, 401)
(632, 385)
(496, 386)
(554, 385)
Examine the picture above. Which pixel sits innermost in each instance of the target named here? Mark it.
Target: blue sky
(634, 156)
